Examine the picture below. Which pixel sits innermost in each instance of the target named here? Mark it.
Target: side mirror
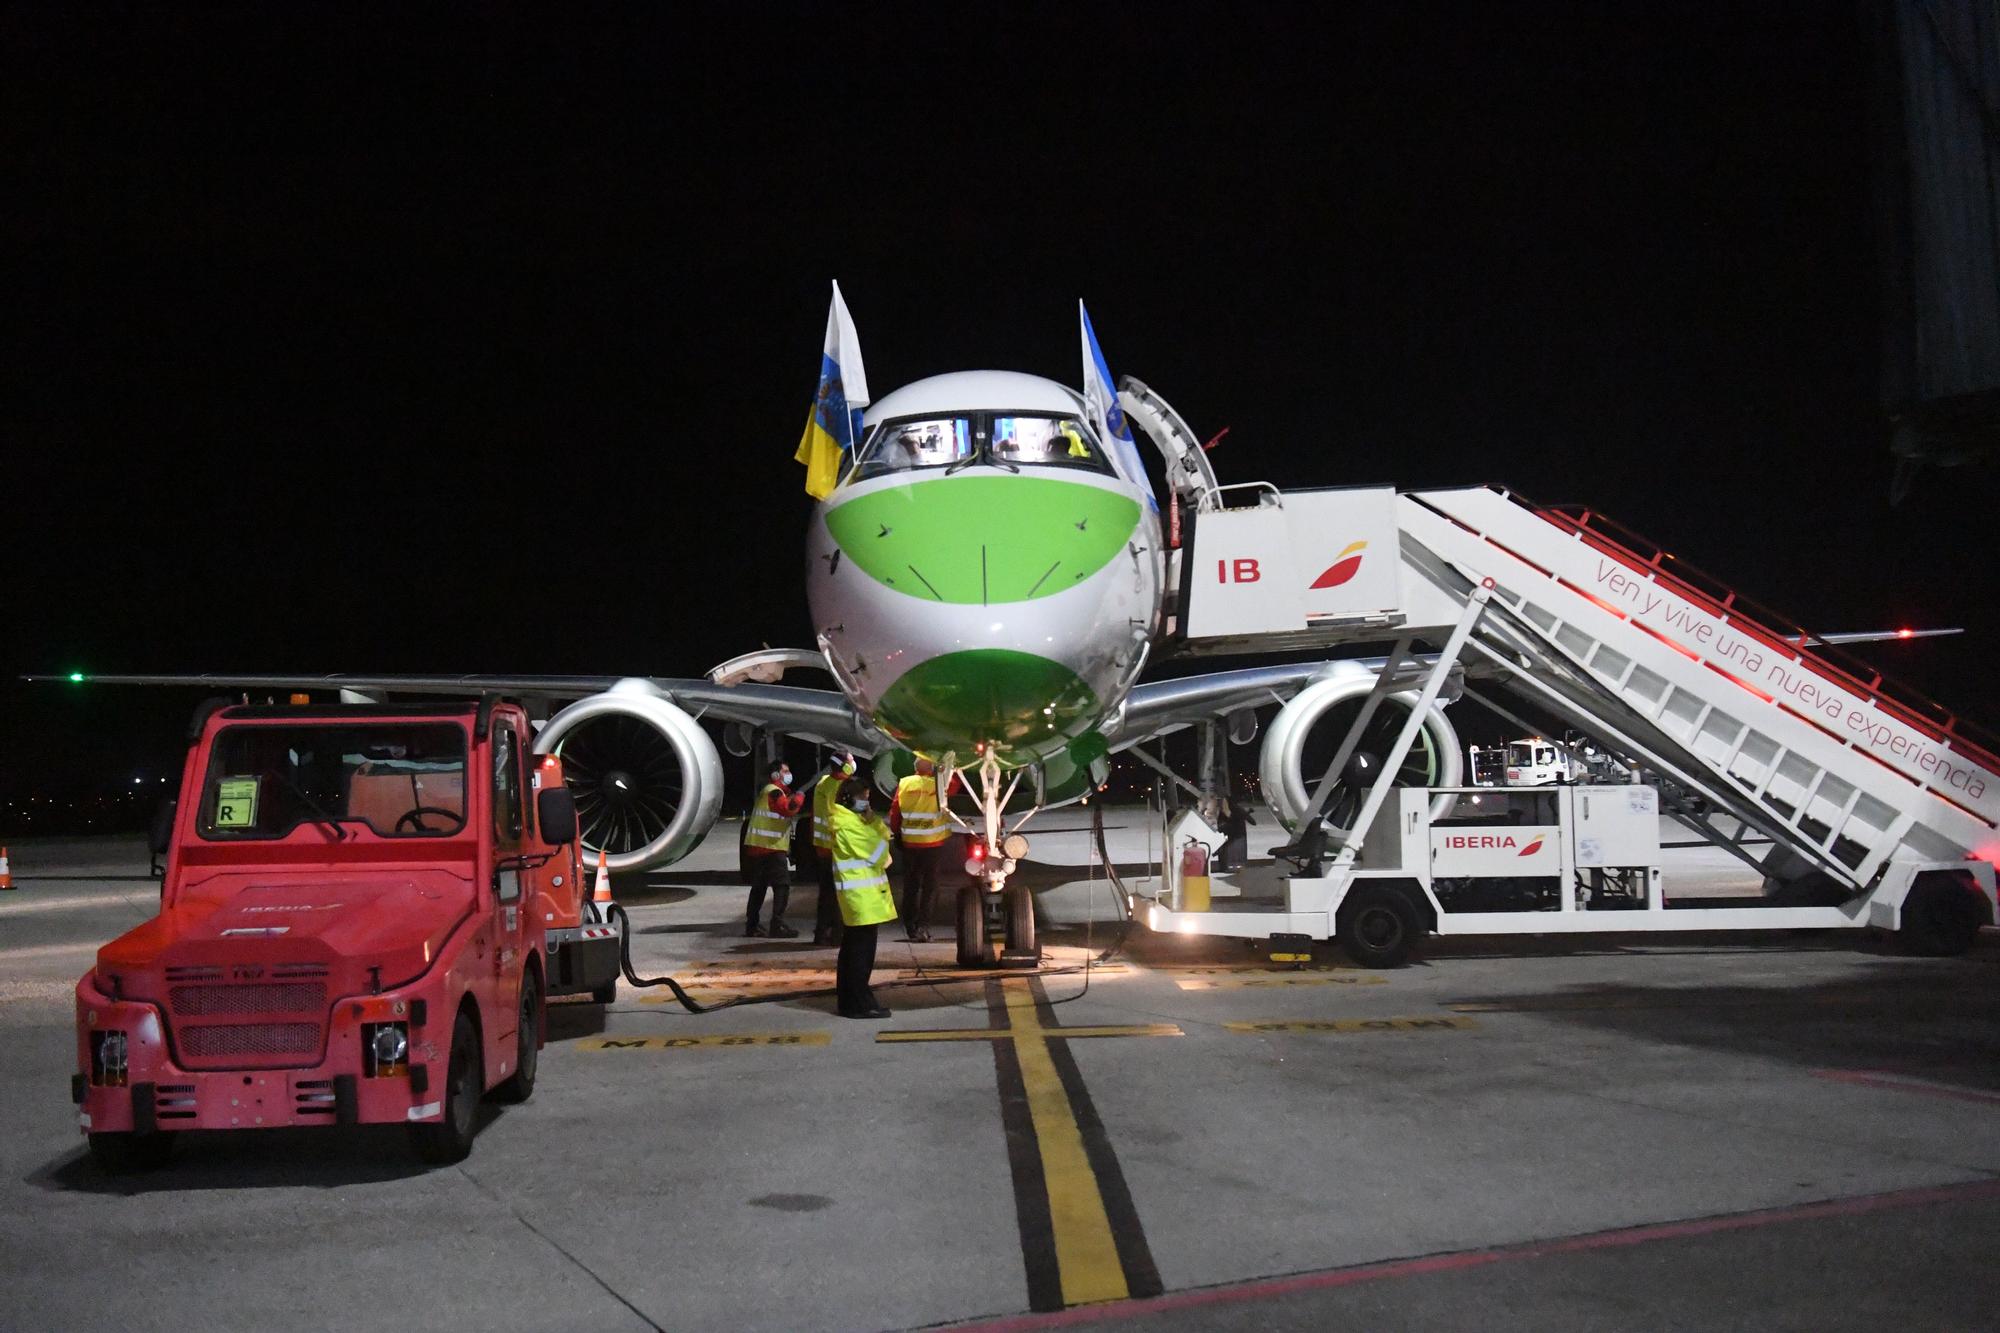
(161, 835)
(555, 815)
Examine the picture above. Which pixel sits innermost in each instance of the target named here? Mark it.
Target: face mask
(784, 777)
(861, 805)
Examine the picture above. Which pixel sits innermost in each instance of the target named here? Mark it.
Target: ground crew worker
(826, 791)
(861, 877)
(767, 852)
(917, 815)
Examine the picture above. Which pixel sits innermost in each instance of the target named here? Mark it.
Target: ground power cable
(619, 917)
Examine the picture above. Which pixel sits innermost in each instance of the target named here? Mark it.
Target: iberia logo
(1531, 848)
(1343, 568)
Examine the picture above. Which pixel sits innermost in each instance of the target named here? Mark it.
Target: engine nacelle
(646, 777)
(1281, 761)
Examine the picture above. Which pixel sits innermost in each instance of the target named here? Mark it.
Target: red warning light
(1906, 633)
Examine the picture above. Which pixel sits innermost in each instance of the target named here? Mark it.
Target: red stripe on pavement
(1869, 1079)
(1272, 1288)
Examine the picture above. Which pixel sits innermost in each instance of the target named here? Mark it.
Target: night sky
(351, 339)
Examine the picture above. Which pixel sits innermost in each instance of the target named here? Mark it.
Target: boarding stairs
(1755, 733)
(1823, 754)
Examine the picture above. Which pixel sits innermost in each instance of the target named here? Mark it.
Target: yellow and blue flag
(834, 427)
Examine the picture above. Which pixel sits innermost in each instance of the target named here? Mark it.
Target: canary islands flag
(835, 424)
(1103, 400)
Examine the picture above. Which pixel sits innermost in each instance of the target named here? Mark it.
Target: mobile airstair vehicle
(1859, 804)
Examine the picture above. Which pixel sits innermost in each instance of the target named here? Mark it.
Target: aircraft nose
(984, 540)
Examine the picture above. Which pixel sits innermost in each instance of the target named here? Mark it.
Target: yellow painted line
(1086, 1254)
(1356, 1025)
(1248, 969)
(1274, 982)
(1009, 1034)
(683, 1043)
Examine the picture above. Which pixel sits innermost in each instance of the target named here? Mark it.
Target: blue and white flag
(834, 426)
(1103, 400)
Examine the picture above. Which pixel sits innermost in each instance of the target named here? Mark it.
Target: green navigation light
(76, 678)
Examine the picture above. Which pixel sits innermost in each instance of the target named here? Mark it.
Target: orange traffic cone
(6, 871)
(600, 892)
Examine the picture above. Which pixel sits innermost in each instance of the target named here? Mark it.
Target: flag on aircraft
(834, 426)
(1103, 400)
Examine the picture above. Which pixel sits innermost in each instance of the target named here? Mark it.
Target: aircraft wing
(1159, 707)
(823, 716)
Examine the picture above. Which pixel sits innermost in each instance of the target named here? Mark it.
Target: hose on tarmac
(619, 918)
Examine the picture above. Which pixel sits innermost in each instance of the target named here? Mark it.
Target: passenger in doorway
(767, 839)
(825, 792)
(1235, 847)
(861, 878)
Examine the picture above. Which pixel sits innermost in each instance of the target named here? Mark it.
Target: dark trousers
(920, 882)
(851, 969)
(774, 871)
(826, 917)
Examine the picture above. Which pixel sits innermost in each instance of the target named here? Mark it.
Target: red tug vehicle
(363, 910)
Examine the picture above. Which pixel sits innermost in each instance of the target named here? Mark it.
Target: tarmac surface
(1744, 1131)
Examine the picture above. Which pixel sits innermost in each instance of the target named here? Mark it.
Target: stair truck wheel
(450, 1139)
(527, 1042)
(971, 927)
(1942, 915)
(1378, 927)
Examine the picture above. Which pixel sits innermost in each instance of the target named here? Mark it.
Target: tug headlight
(385, 1050)
(108, 1054)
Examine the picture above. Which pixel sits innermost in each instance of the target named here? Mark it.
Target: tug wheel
(125, 1153)
(450, 1139)
(527, 1042)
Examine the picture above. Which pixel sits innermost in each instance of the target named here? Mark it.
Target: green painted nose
(984, 540)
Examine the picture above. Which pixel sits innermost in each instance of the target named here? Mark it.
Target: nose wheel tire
(1021, 938)
(971, 927)
(450, 1139)
(1378, 927)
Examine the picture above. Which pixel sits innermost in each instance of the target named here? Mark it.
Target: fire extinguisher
(1194, 876)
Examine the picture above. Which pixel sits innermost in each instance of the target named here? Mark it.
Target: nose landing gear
(989, 908)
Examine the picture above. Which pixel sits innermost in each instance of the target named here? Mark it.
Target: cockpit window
(986, 438)
(903, 446)
(1041, 440)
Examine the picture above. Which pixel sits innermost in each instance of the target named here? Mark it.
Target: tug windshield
(400, 780)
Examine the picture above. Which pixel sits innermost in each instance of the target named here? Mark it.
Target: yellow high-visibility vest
(861, 868)
(825, 791)
(924, 822)
(766, 828)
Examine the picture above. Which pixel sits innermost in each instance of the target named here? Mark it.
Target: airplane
(988, 580)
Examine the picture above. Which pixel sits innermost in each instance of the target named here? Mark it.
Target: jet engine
(646, 777)
(1306, 734)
